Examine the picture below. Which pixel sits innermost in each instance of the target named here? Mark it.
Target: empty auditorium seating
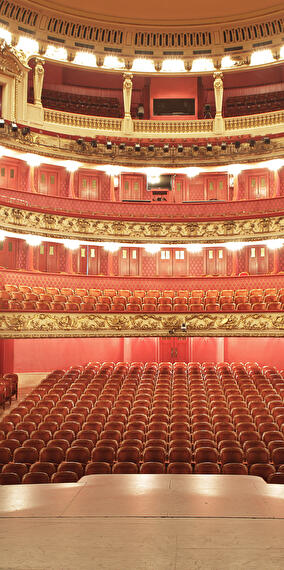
(254, 103)
(96, 300)
(82, 104)
(152, 418)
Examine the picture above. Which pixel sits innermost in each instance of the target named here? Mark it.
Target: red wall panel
(180, 88)
(44, 355)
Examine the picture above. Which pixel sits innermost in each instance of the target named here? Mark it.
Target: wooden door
(88, 186)
(83, 259)
(8, 253)
(258, 260)
(48, 182)
(165, 262)
(93, 260)
(174, 349)
(132, 187)
(179, 189)
(216, 188)
(179, 262)
(129, 261)
(48, 257)
(216, 261)
(258, 186)
(9, 177)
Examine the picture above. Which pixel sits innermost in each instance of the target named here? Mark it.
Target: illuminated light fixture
(252, 143)
(227, 62)
(137, 147)
(173, 66)
(71, 165)
(2, 235)
(266, 140)
(235, 169)
(5, 35)
(71, 244)
(33, 240)
(166, 148)
(109, 145)
(261, 57)
(122, 146)
(192, 171)
(275, 164)
(281, 51)
(153, 179)
(85, 58)
(81, 142)
(94, 143)
(151, 147)
(57, 53)
(14, 127)
(111, 170)
(111, 247)
(180, 148)
(202, 64)
(113, 62)
(33, 159)
(195, 148)
(193, 247)
(152, 248)
(209, 147)
(274, 243)
(27, 45)
(223, 145)
(143, 64)
(234, 246)
(2, 123)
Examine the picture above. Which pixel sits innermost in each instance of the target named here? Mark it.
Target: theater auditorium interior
(141, 285)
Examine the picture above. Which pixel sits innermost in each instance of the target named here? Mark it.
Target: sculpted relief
(54, 225)
(33, 325)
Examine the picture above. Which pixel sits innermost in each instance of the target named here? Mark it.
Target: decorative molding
(53, 325)
(67, 227)
(61, 147)
(12, 61)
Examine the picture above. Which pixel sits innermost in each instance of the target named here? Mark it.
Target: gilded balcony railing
(254, 121)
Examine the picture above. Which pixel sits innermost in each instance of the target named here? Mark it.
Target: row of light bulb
(31, 47)
(113, 247)
(152, 173)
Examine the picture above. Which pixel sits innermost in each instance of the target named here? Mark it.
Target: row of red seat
(152, 418)
(229, 294)
(254, 103)
(90, 306)
(22, 298)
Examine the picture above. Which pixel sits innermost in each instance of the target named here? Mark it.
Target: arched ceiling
(163, 12)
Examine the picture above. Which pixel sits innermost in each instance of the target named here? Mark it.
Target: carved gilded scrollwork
(12, 61)
(54, 225)
(44, 325)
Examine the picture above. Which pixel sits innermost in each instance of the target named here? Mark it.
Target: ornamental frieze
(67, 227)
(47, 325)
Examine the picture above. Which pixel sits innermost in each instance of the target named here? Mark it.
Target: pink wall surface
(44, 355)
(180, 88)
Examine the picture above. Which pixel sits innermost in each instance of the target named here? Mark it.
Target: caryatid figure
(218, 91)
(127, 94)
(38, 80)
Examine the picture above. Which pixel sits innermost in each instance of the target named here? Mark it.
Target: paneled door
(129, 261)
(174, 349)
(216, 261)
(258, 260)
